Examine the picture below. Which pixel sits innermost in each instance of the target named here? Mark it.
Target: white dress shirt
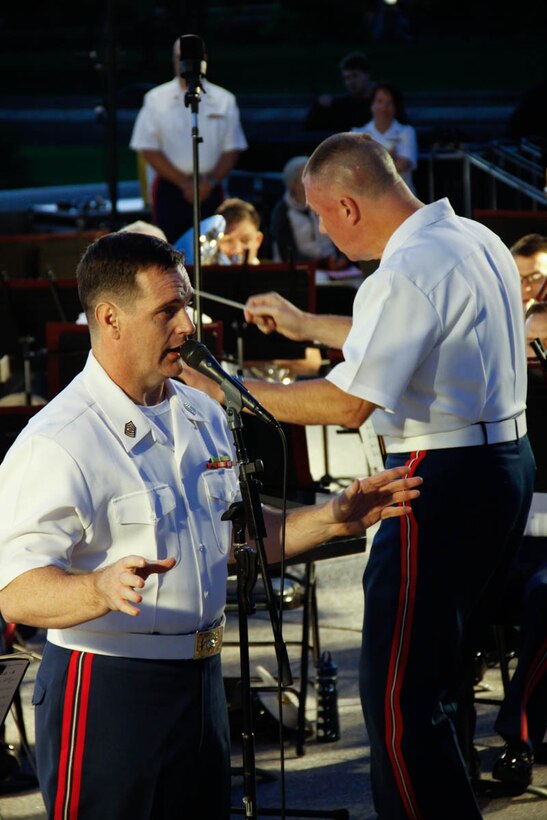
(164, 123)
(437, 338)
(91, 480)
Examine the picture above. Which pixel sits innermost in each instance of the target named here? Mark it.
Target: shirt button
(205, 593)
(202, 547)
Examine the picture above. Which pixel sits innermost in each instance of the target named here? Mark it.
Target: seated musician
(522, 719)
(233, 239)
(242, 236)
(236, 242)
(530, 255)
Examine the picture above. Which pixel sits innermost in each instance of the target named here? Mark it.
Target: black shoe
(514, 765)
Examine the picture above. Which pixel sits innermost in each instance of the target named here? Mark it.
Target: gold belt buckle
(209, 642)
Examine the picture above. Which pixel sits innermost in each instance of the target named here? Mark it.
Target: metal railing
(496, 174)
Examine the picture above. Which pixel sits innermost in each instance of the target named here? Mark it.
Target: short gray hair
(360, 162)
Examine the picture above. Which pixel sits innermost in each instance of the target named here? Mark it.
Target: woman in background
(388, 127)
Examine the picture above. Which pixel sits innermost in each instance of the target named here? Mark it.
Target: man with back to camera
(111, 538)
(163, 134)
(435, 351)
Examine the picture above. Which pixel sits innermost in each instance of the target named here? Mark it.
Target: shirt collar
(393, 130)
(124, 416)
(420, 219)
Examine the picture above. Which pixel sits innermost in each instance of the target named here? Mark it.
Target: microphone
(199, 357)
(193, 60)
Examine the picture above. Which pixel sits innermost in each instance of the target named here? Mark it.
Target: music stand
(31, 304)
(12, 672)
(236, 283)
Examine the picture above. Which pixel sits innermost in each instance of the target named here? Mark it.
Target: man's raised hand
(368, 500)
(270, 311)
(118, 585)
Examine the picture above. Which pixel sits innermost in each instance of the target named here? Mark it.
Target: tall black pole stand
(254, 520)
(111, 105)
(246, 578)
(192, 99)
(247, 516)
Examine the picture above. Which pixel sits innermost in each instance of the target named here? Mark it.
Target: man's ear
(350, 209)
(107, 318)
(259, 239)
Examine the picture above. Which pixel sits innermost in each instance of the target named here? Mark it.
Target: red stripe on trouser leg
(80, 737)
(72, 736)
(66, 729)
(399, 654)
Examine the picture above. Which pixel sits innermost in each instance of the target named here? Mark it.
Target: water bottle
(328, 724)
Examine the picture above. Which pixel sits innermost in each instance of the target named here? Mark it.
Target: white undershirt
(159, 415)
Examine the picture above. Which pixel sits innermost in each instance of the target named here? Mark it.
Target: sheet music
(12, 671)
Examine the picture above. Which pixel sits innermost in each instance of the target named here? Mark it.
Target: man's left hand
(368, 500)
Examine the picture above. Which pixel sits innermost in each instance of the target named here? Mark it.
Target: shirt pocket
(221, 490)
(139, 520)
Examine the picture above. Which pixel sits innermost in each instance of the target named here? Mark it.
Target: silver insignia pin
(130, 429)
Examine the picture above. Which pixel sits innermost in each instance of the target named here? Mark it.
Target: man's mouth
(172, 354)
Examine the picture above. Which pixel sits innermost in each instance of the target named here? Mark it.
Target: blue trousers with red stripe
(128, 738)
(429, 583)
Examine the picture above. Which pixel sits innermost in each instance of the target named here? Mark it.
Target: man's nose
(186, 324)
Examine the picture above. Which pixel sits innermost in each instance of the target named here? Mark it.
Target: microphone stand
(192, 99)
(247, 516)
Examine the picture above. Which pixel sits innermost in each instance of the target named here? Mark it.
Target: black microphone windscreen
(200, 358)
(193, 60)
(194, 353)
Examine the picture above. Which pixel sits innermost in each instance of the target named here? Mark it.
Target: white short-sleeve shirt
(398, 138)
(437, 337)
(91, 480)
(164, 123)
